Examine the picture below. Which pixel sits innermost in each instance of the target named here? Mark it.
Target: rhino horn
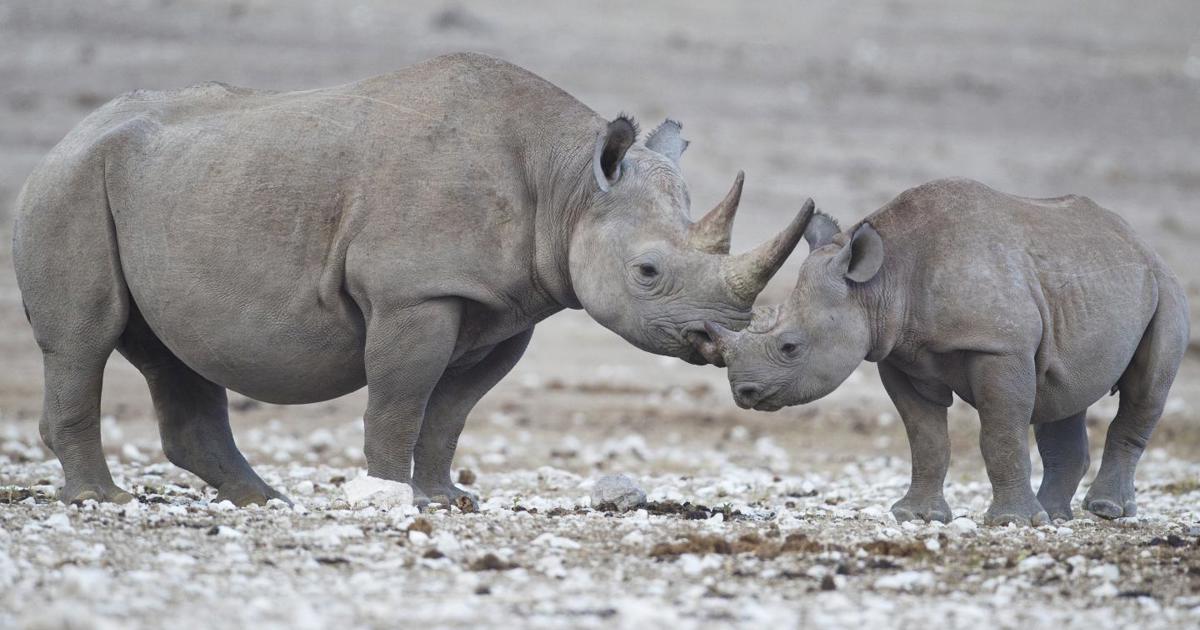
(712, 232)
(747, 274)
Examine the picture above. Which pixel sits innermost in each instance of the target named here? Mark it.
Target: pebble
(963, 525)
(364, 490)
(618, 490)
(59, 522)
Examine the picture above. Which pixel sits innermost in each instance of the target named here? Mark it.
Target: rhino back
(240, 213)
(1062, 279)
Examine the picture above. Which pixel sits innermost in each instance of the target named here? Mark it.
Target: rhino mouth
(703, 346)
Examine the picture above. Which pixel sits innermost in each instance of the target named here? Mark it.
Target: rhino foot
(1021, 512)
(1111, 496)
(99, 492)
(243, 493)
(922, 509)
(1058, 511)
(1109, 507)
(449, 494)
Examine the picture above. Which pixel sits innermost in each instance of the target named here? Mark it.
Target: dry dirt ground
(787, 523)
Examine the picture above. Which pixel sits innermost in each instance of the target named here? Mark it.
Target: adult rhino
(404, 232)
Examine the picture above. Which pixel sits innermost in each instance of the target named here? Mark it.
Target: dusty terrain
(848, 103)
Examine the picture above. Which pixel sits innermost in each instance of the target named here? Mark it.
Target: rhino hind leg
(1063, 446)
(76, 301)
(1144, 387)
(193, 418)
(446, 415)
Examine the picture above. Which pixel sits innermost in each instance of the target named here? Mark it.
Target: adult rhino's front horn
(747, 274)
(711, 234)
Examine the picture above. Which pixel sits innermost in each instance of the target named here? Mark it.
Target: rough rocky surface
(735, 531)
(617, 491)
(752, 519)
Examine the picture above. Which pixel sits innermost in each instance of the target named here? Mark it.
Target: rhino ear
(665, 139)
(821, 230)
(611, 145)
(862, 257)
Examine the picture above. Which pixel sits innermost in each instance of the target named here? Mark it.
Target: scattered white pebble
(364, 490)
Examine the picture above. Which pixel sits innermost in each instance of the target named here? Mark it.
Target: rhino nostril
(748, 392)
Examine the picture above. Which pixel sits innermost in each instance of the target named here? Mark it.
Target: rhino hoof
(107, 493)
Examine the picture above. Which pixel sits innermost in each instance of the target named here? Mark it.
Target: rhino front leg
(1065, 460)
(446, 415)
(929, 442)
(1004, 389)
(406, 354)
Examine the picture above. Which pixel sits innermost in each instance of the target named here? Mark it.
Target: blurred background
(849, 103)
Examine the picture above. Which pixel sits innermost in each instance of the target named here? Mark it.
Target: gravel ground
(741, 528)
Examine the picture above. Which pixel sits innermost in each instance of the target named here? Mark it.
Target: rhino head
(641, 268)
(798, 351)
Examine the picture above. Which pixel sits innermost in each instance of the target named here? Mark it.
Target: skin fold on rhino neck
(558, 209)
(884, 304)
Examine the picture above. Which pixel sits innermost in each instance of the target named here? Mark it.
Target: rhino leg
(1063, 446)
(65, 257)
(446, 415)
(406, 354)
(1144, 387)
(925, 424)
(193, 418)
(1004, 388)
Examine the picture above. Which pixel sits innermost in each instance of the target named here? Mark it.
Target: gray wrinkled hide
(1028, 309)
(404, 232)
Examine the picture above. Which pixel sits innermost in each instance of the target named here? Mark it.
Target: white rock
(1035, 563)
(8, 570)
(963, 525)
(906, 581)
(304, 488)
(1106, 572)
(417, 537)
(1105, 591)
(618, 490)
(557, 542)
(59, 522)
(333, 535)
(227, 532)
(365, 490)
(634, 538)
(171, 558)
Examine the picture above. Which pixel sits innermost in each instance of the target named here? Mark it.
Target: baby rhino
(1028, 309)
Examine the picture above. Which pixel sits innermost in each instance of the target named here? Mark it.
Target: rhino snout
(704, 344)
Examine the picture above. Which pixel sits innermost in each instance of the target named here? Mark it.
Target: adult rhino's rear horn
(747, 274)
(712, 232)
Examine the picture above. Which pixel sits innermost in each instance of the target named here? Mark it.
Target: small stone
(59, 522)
(305, 488)
(421, 525)
(963, 525)
(618, 491)
(466, 476)
(364, 490)
(827, 583)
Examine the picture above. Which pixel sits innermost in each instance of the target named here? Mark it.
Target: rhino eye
(788, 349)
(647, 270)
